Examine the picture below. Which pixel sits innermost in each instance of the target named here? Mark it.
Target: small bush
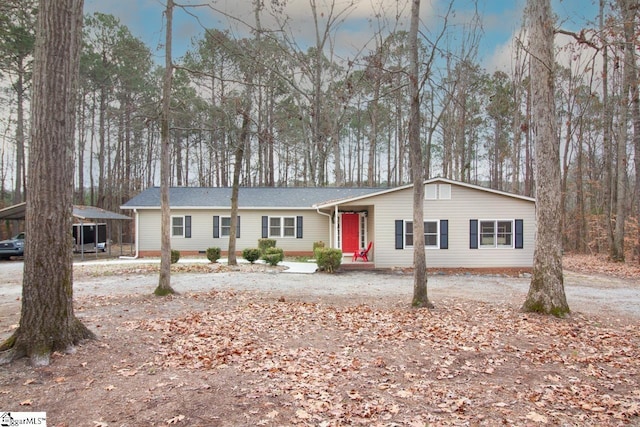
(265, 244)
(175, 256)
(328, 259)
(273, 256)
(251, 254)
(213, 254)
(316, 246)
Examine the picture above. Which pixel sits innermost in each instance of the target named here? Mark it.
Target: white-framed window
(177, 226)
(496, 233)
(431, 233)
(225, 226)
(222, 227)
(284, 226)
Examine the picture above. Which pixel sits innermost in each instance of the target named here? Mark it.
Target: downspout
(135, 211)
(330, 230)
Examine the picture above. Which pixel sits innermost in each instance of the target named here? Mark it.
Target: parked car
(12, 247)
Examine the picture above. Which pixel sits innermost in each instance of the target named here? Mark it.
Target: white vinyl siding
(316, 228)
(464, 204)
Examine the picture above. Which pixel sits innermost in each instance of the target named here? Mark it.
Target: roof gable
(429, 181)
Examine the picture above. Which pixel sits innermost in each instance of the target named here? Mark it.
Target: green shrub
(328, 259)
(265, 244)
(251, 254)
(213, 254)
(273, 256)
(316, 246)
(175, 256)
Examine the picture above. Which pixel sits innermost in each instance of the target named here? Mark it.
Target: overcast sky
(500, 19)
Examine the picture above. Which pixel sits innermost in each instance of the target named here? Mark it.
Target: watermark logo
(23, 419)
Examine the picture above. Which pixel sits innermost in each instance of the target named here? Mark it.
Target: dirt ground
(261, 347)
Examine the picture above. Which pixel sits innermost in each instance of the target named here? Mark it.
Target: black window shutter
(238, 228)
(265, 227)
(399, 234)
(519, 234)
(216, 226)
(444, 234)
(187, 226)
(299, 227)
(473, 234)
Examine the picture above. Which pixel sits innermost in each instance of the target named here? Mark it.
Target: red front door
(350, 232)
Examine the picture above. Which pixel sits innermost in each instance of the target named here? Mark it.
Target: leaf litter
(255, 358)
(362, 364)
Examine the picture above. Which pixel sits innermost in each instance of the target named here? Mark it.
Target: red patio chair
(362, 254)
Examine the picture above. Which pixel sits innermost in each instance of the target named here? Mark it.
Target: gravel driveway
(596, 294)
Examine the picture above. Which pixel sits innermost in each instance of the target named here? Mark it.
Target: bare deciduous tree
(420, 296)
(546, 291)
(164, 281)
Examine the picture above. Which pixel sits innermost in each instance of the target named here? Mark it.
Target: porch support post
(335, 228)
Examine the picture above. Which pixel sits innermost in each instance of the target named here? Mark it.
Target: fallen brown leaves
(153, 268)
(600, 264)
(465, 363)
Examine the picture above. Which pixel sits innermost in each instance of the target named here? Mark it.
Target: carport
(80, 214)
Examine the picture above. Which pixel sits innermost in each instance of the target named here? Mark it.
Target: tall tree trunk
(235, 188)
(607, 114)
(20, 162)
(546, 291)
(92, 141)
(47, 321)
(164, 282)
(528, 156)
(82, 141)
(420, 297)
(581, 236)
(635, 114)
(101, 144)
(627, 8)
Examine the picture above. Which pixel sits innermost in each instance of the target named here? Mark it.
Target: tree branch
(579, 37)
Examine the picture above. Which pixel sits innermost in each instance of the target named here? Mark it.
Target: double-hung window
(177, 226)
(225, 226)
(222, 226)
(496, 234)
(282, 226)
(181, 226)
(430, 234)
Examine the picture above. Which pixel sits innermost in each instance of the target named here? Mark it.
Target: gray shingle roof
(248, 197)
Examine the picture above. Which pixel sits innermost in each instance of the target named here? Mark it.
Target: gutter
(137, 254)
(330, 230)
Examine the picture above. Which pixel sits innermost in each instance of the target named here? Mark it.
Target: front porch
(349, 265)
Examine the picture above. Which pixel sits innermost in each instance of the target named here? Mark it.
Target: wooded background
(308, 116)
